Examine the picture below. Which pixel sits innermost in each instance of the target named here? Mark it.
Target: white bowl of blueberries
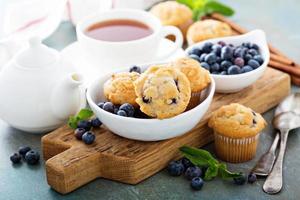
(234, 62)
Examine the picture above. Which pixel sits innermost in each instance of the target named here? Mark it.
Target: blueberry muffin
(162, 92)
(236, 131)
(207, 29)
(174, 14)
(119, 88)
(199, 77)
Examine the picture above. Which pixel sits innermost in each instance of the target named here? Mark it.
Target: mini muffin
(174, 14)
(236, 131)
(207, 29)
(162, 92)
(119, 88)
(199, 77)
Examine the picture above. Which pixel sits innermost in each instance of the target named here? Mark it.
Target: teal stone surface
(280, 20)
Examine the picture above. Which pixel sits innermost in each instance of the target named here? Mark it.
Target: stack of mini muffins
(181, 16)
(162, 91)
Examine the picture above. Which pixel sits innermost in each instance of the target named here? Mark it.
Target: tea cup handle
(171, 30)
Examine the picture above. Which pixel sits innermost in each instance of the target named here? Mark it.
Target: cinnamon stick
(295, 71)
(281, 59)
(295, 80)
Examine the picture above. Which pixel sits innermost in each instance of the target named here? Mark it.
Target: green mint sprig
(201, 8)
(202, 158)
(83, 114)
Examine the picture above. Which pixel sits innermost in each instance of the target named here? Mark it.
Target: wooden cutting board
(70, 163)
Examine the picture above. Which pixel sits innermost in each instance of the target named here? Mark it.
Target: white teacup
(123, 54)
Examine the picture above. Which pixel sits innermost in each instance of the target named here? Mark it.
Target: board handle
(73, 168)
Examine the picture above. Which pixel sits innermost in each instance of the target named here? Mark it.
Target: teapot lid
(37, 55)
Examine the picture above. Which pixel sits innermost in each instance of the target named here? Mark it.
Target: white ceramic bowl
(235, 83)
(147, 129)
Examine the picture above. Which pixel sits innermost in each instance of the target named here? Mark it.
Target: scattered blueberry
(15, 158)
(101, 104)
(240, 180)
(135, 69)
(246, 69)
(205, 66)
(197, 183)
(32, 157)
(210, 58)
(88, 137)
(24, 150)
(234, 69)
(175, 168)
(252, 178)
(86, 124)
(122, 113)
(239, 62)
(109, 107)
(193, 172)
(128, 108)
(186, 163)
(79, 132)
(253, 63)
(96, 123)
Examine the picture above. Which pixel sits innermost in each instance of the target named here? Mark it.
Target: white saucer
(75, 54)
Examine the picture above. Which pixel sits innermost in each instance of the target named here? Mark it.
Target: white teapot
(39, 90)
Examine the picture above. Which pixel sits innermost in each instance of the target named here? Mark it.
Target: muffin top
(119, 88)
(162, 92)
(207, 29)
(236, 121)
(199, 77)
(172, 13)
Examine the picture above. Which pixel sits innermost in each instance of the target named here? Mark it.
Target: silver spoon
(266, 161)
(284, 122)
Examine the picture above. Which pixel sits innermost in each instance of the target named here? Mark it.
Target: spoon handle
(273, 183)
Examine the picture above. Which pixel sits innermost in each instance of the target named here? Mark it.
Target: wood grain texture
(71, 164)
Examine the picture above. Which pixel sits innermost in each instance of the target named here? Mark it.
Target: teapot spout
(68, 97)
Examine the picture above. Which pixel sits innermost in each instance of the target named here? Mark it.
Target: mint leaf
(215, 6)
(226, 174)
(85, 114)
(196, 160)
(199, 153)
(188, 3)
(198, 13)
(72, 122)
(212, 171)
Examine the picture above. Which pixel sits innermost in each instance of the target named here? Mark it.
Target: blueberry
(259, 59)
(215, 67)
(86, 124)
(239, 62)
(122, 113)
(15, 158)
(222, 43)
(192, 172)
(197, 183)
(88, 137)
(239, 52)
(24, 150)
(252, 178)
(175, 168)
(202, 57)
(216, 48)
(210, 58)
(136, 69)
(116, 109)
(226, 53)
(96, 123)
(254, 46)
(219, 60)
(128, 108)
(79, 132)
(101, 104)
(226, 64)
(246, 44)
(109, 107)
(223, 73)
(233, 70)
(195, 57)
(186, 163)
(205, 66)
(247, 57)
(32, 157)
(214, 72)
(246, 68)
(207, 47)
(253, 63)
(195, 51)
(241, 180)
(253, 52)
